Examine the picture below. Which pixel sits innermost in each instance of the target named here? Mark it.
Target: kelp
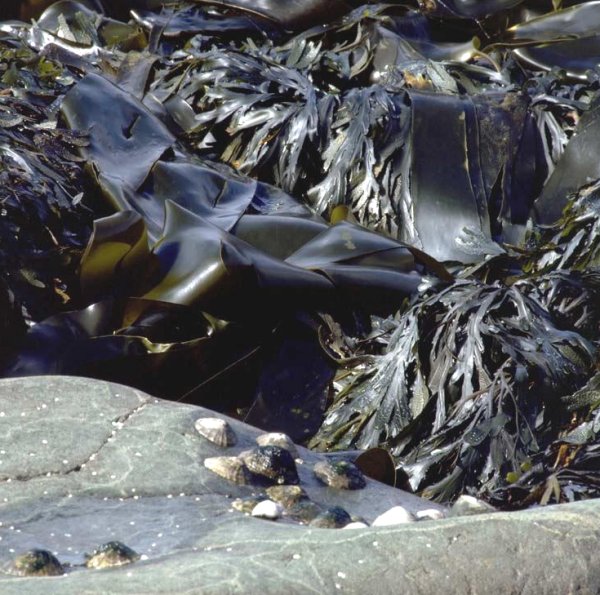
(451, 398)
(273, 189)
(353, 114)
(43, 224)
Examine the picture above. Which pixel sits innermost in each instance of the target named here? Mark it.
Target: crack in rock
(118, 423)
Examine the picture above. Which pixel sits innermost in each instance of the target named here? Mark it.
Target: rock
(137, 475)
(267, 509)
(398, 515)
(468, 505)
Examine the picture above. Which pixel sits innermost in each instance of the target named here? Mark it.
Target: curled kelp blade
(125, 139)
(291, 14)
(116, 253)
(202, 264)
(574, 22)
(188, 21)
(576, 168)
(278, 235)
(466, 9)
(154, 346)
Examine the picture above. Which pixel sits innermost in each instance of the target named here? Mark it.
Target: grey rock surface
(85, 462)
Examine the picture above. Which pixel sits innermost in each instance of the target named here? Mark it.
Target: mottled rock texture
(86, 462)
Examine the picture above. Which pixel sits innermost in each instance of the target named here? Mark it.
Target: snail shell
(113, 553)
(341, 475)
(332, 518)
(278, 439)
(37, 562)
(230, 468)
(303, 511)
(287, 495)
(273, 463)
(216, 430)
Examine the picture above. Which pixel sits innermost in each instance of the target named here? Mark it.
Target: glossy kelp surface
(321, 217)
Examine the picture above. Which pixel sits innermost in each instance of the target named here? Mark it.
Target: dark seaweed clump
(364, 225)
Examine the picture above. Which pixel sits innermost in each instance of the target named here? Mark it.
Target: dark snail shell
(303, 511)
(272, 463)
(278, 439)
(332, 518)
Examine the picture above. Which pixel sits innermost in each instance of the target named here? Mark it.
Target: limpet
(287, 495)
(273, 463)
(332, 518)
(113, 553)
(37, 562)
(230, 468)
(278, 439)
(342, 475)
(216, 430)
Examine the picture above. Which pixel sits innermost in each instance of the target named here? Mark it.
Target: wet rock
(141, 479)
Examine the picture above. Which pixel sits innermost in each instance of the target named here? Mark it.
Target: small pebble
(469, 505)
(429, 514)
(267, 509)
(356, 525)
(398, 515)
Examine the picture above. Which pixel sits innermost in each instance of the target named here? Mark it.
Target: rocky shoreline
(134, 473)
